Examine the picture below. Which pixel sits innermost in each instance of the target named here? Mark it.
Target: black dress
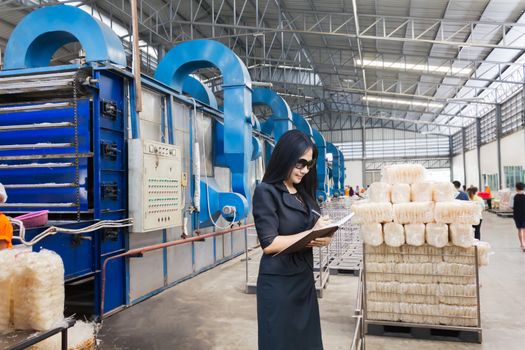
(518, 209)
(287, 308)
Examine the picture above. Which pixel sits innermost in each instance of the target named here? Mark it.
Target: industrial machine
(72, 143)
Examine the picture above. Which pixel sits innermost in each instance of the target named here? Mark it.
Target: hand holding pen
(321, 222)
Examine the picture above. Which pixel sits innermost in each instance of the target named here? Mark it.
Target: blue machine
(335, 171)
(279, 122)
(301, 124)
(322, 171)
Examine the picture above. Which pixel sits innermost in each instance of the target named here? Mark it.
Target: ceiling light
(294, 95)
(423, 68)
(402, 102)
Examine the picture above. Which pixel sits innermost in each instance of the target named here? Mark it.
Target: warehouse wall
(458, 173)
(513, 150)
(354, 172)
(472, 169)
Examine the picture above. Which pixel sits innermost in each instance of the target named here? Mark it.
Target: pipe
(142, 250)
(136, 57)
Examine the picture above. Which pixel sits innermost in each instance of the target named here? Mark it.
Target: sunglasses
(301, 163)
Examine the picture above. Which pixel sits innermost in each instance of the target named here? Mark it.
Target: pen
(316, 213)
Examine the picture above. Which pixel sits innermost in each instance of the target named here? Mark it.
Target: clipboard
(306, 237)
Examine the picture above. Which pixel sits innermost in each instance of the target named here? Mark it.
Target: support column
(451, 157)
(463, 149)
(498, 143)
(478, 149)
(363, 147)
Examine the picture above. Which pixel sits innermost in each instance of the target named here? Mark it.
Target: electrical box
(155, 197)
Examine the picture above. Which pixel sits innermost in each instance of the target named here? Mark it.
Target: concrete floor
(211, 310)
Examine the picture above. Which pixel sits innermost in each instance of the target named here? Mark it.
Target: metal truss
(429, 163)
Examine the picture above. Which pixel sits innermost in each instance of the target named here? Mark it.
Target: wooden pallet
(428, 332)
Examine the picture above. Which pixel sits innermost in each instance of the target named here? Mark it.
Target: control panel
(155, 197)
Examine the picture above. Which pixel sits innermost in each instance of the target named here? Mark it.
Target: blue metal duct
(321, 164)
(190, 56)
(196, 89)
(342, 171)
(301, 124)
(281, 115)
(330, 148)
(41, 33)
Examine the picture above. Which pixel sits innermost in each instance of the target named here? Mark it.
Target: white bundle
(432, 320)
(462, 322)
(457, 290)
(372, 234)
(380, 277)
(422, 254)
(444, 192)
(380, 267)
(422, 192)
(462, 235)
(368, 213)
(415, 234)
(437, 235)
(414, 212)
(418, 299)
(400, 193)
(380, 296)
(381, 316)
(38, 290)
(81, 336)
(418, 288)
(458, 311)
(382, 253)
(377, 306)
(394, 234)
(457, 279)
(7, 263)
(382, 287)
(379, 192)
(419, 309)
(417, 278)
(461, 301)
(414, 269)
(484, 250)
(403, 173)
(51, 343)
(458, 212)
(459, 255)
(455, 270)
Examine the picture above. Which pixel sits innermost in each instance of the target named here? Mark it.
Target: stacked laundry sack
(420, 260)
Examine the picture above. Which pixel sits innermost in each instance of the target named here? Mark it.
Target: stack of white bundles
(414, 212)
(7, 263)
(403, 173)
(484, 250)
(379, 192)
(369, 213)
(418, 299)
(437, 235)
(422, 192)
(444, 192)
(462, 235)
(415, 234)
(458, 212)
(38, 290)
(394, 234)
(372, 234)
(400, 193)
(459, 255)
(81, 336)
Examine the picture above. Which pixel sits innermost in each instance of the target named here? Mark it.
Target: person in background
(472, 194)
(351, 191)
(6, 233)
(3, 194)
(460, 194)
(347, 191)
(517, 204)
(357, 189)
(489, 199)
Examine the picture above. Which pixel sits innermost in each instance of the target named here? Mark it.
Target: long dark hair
(291, 146)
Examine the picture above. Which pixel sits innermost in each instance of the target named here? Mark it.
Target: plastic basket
(34, 219)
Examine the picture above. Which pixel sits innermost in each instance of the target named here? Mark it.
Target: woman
(283, 205)
(518, 209)
(472, 195)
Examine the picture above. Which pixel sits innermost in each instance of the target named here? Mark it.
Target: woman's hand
(319, 242)
(323, 221)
